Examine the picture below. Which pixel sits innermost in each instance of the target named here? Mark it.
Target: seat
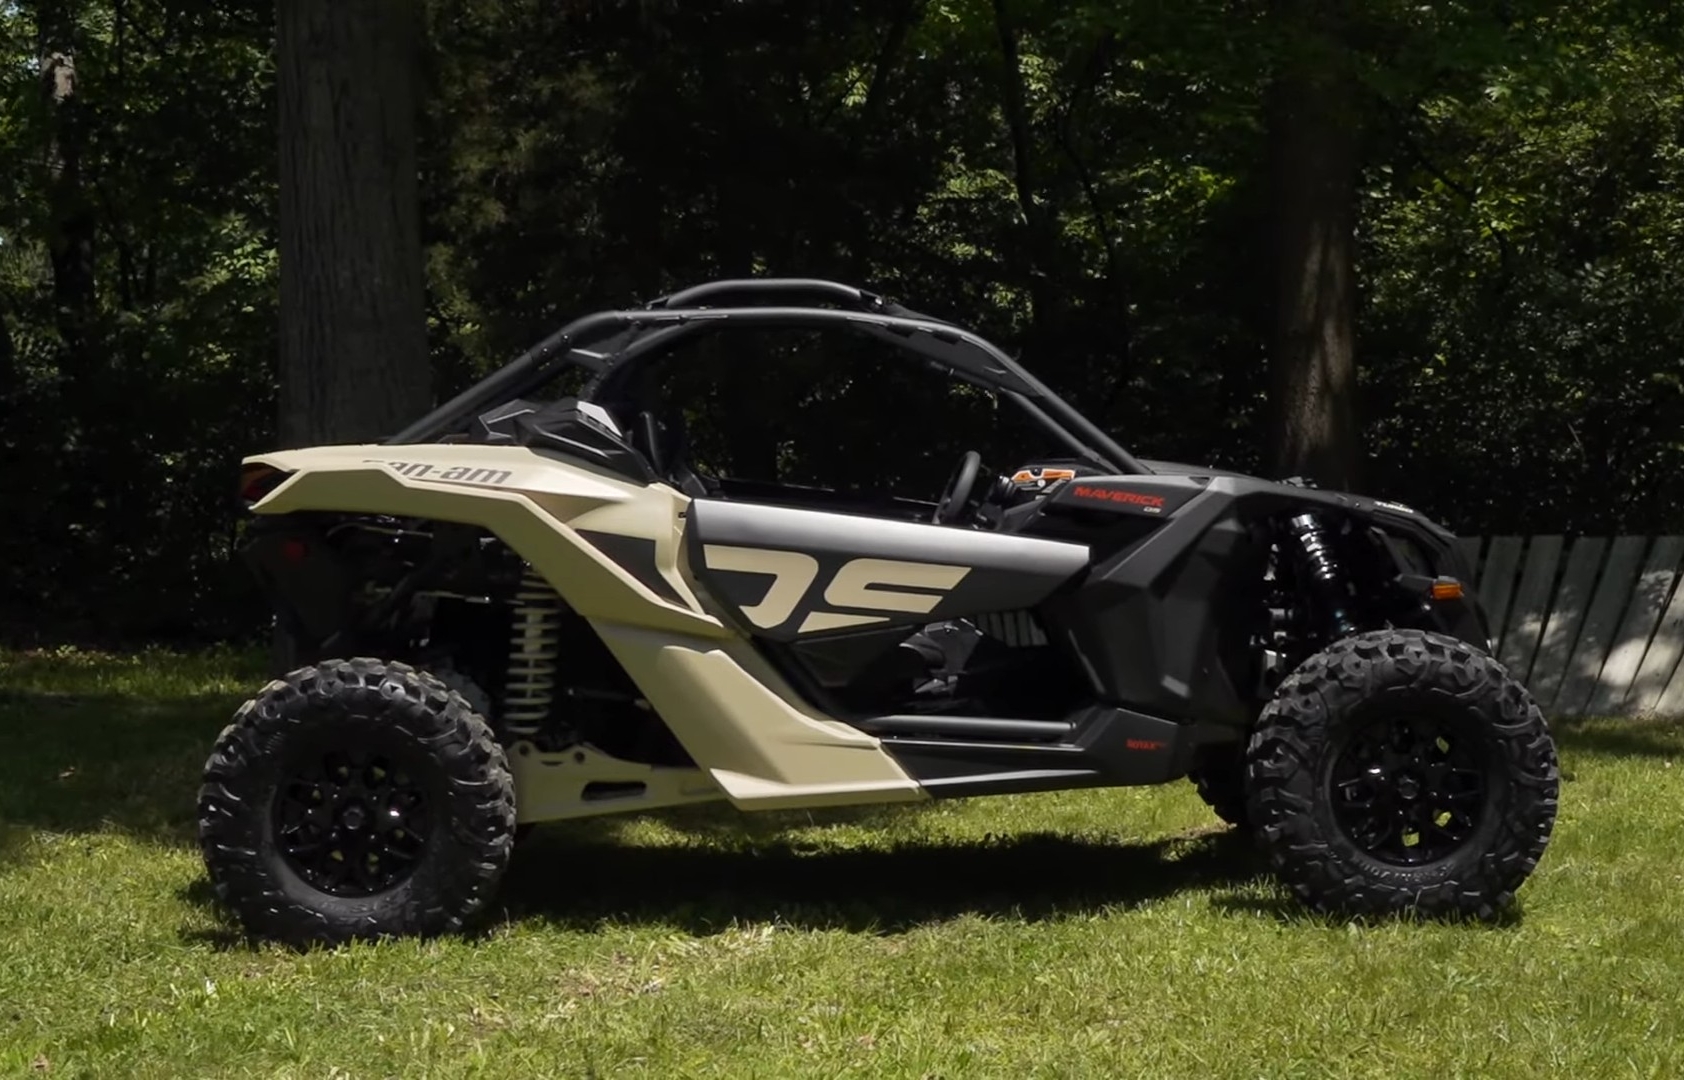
(665, 441)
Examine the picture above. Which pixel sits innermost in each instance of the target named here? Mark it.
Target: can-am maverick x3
(572, 619)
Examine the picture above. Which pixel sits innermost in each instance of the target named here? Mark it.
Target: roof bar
(771, 288)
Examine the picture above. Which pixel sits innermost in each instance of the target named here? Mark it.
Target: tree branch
(910, 12)
(1098, 63)
(1505, 254)
(1017, 116)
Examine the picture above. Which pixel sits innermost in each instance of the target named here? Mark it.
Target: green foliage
(1100, 204)
(1524, 296)
(116, 458)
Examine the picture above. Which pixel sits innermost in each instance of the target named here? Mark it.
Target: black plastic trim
(1161, 625)
(1108, 747)
(636, 556)
(563, 428)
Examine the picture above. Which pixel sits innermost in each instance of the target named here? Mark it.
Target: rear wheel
(356, 799)
(1403, 771)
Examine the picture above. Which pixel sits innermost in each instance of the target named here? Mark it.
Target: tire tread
(479, 808)
(1292, 736)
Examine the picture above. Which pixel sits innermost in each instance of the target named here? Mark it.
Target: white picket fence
(1595, 628)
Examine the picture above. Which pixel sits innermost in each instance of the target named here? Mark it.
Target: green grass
(1079, 934)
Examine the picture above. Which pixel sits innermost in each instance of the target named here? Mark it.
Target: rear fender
(613, 551)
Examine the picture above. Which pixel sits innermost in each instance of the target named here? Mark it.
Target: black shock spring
(1320, 569)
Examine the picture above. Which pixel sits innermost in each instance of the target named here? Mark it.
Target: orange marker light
(1447, 589)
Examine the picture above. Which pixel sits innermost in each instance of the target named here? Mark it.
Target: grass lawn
(1113, 933)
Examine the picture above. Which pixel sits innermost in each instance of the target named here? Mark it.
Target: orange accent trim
(1447, 589)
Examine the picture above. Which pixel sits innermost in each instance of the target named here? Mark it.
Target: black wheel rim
(1409, 790)
(351, 823)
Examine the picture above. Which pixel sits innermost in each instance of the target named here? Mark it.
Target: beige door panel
(749, 733)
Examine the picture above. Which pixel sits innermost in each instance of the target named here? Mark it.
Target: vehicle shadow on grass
(80, 763)
(702, 891)
(579, 886)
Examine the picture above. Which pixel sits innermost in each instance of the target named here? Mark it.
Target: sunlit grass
(1097, 934)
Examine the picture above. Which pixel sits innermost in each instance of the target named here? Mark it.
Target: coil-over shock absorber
(534, 638)
(1318, 568)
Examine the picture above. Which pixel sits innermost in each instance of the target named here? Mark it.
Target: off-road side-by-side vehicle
(531, 606)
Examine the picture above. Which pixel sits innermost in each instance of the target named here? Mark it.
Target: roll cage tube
(903, 335)
(953, 348)
(784, 288)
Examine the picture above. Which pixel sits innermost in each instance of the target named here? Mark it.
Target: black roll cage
(613, 345)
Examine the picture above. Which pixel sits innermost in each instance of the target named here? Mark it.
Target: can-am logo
(465, 474)
(1150, 503)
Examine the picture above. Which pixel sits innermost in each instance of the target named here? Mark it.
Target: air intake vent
(1019, 629)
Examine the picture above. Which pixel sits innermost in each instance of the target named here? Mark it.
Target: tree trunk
(887, 57)
(1037, 228)
(70, 244)
(1312, 144)
(354, 363)
(8, 364)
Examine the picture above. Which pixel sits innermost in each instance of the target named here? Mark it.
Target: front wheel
(1403, 771)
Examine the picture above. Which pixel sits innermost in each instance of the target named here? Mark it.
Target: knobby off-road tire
(1393, 731)
(356, 799)
(1219, 778)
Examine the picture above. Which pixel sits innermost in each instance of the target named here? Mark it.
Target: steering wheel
(959, 487)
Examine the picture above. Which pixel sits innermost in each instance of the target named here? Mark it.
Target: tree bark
(1313, 171)
(1037, 230)
(353, 364)
(8, 372)
(70, 245)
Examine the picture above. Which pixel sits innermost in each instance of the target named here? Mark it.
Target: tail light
(256, 481)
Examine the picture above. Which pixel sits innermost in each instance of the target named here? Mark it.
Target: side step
(1096, 747)
(980, 728)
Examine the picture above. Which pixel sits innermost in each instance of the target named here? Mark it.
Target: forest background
(1427, 251)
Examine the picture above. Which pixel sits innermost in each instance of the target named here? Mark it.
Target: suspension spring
(533, 642)
(1320, 567)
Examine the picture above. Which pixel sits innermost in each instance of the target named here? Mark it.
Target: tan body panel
(535, 509)
(736, 718)
(557, 786)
